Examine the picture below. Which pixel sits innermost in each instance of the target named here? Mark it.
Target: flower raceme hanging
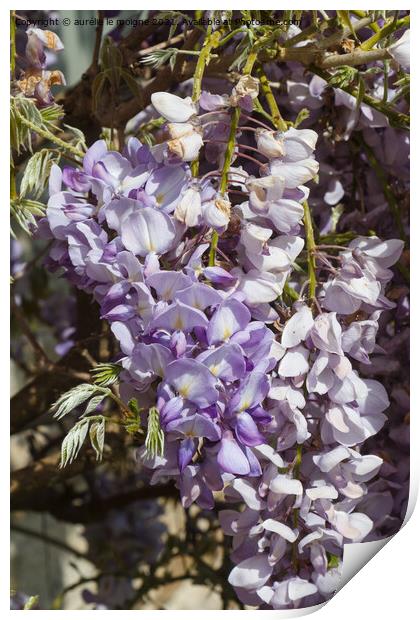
(256, 398)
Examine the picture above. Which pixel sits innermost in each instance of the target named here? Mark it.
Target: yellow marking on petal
(160, 198)
(227, 333)
(184, 391)
(179, 323)
(214, 369)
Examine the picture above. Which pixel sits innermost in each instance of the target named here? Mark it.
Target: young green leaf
(72, 399)
(105, 374)
(155, 438)
(97, 438)
(37, 170)
(73, 442)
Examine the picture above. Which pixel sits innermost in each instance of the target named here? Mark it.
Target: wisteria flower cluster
(269, 411)
(252, 273)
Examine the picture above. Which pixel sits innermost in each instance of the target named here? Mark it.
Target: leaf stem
(277, 118)
(49, 136)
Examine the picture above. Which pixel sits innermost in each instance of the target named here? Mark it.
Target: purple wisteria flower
(256, 377)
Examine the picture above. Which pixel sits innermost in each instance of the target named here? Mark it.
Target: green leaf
(79, 140)
(344, 77)
(244, 47)
(52, 114)
(24, 211)
(132, 423)
(337, 238)
(155, 438)
(73, 442)
(37, 172)
(333, 560)
(20, 134)
(131, 82)
(94, 403)
(160, 57)
(97, 438)
(145, 132)
(105, 374)
(98, 87)
(72, 399)
(111, 56)
(133, 405)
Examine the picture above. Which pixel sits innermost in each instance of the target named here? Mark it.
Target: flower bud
(247, 86)
(179, 130)
(217, 214)
(270, 143)
(173, 108)
(188, 210)
(188, 147)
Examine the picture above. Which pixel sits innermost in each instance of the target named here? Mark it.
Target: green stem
(374, 26)
(230, 35)
(230, 147)
(213, 248)
(260, 110)
(397, 119)
(384, 32)
(125, 410)
(250, 62)
(210, 42)
(49, 136)
(310, 248)
(288, 290)
(298, 461)
(277, 118)
(195, 53)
